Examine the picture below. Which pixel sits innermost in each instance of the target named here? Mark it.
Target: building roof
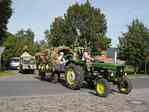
(104, 58)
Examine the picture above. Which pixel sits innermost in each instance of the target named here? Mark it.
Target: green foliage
(129, 69)
(7, 73)
(104, 42)
(95, 52)
(25, 42)
(132, 44)
(9, 44)
(5, 14)
(43, 45)
(56, 36)
(16, 44)
(82, 25)
(46, 34)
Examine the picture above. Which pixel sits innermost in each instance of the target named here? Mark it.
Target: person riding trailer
(59, 57)
(61, 65)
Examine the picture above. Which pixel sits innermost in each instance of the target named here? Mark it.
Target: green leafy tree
(47, 32)
(56, 36)
(36, 48)
(132, 44)
(15, 45)
(43, 45)
(104, 42)
(9, 44)
(25, 42)
(82, 25)
(90, 22)
(5, 14)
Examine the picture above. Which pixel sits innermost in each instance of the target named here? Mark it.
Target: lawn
(7, 73)
(132, 76)
(131, 73)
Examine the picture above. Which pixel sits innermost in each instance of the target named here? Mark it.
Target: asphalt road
(140, 83)
(37, 87)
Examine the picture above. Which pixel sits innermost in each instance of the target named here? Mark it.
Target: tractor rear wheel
(102, 87)
(74, 76)
(125, 85)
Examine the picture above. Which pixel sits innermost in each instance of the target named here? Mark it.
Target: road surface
(29, 86)
(25, 93)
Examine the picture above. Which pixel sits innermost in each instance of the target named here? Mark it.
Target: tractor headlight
(112, 74)
(125, 74)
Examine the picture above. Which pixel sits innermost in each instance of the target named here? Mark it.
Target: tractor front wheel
(102, 87)
(125, 85)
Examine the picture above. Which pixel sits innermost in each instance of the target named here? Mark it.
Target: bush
(129, 69)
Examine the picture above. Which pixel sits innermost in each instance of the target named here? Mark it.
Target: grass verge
(7, 73)
(138, 76)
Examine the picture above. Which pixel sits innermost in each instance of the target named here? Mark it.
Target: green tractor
(99, 76)
(75, 71)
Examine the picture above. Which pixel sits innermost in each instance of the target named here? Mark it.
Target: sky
(39, 14)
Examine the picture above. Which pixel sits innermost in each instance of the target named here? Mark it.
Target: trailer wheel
(102, 87)
(41, 75)
(74, 76)
(125, 85)
(54, 77)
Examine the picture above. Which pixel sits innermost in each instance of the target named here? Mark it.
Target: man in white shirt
(61, 62)
(61, 58)
(87, 57)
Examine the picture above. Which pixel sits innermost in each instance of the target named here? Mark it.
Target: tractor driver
(87, 57)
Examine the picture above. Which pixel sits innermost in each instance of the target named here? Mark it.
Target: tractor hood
(108, 66)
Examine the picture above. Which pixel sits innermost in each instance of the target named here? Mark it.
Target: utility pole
(115, 57)
(145, 66)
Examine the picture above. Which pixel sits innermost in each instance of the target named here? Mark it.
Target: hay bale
(54, 53)
(51, 55)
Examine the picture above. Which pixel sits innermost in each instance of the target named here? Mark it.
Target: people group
(84, 55)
